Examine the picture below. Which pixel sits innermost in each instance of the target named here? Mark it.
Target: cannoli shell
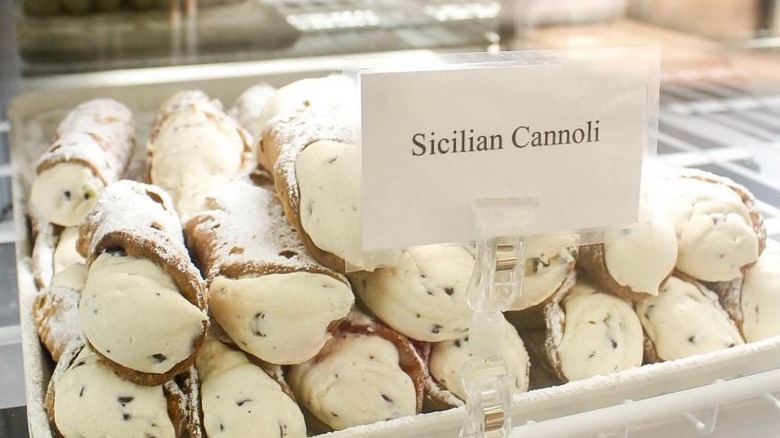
(98, 134)
(533, 318)
(592, 261)
(224, 243)
(55, 311)
(140, 219)
(289, 135)
(730, 298)
(44, 245)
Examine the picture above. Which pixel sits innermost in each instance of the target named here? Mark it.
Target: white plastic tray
(591, 406)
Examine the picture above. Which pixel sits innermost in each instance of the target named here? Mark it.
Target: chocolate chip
(449, 290)
(332, 160)
(590, 356)
(288, 254)
(221, 427)
(125, 400)
(281, 430)
(430, 292)
(614, 343)
(242, 402)
(334, 414)
(457, 343)
(371, 356)
(386, 397)
(159, 357)
(436, 328)
(116, 250)
(255, 322)
(592, 322)
(81, 393)
(79, 363)
(692, 339)
(731, 345)
(418, 315)
(87, 196)
(127, 417)
(67, 194)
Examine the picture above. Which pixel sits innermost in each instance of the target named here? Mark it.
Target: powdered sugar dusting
(293, 132)
(143, 210)
(248, 108)
(98, 132)
(250, 229)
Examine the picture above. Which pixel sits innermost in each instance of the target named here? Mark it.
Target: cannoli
(239, 399)
(54, 250)
(720, 231)
(177, 102)
(754, 301)
(55, 310)
(196, 147)
(260, 277)
(549, 262)
(328, 92)
(589, 333)
(248, 109)
(422, 295)
(92, 148)
(317, 176)
(632, 263)
(86, 398)
(45, 238)
(143, 307)
(683, 320)
(446, 361)
(366, 359)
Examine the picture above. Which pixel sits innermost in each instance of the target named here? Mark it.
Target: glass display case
(719, 112)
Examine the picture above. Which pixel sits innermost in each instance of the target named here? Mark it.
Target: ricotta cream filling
(423, 295)
(91, 400)
(641, 257)
(280, 318)
(65, 253)
(356, 379)
(133, 313)
(239, 399)
(447, 360)
(760, 301)
(601, 334)
(65, 193)
(682, 321)
(715, 234)
(328, 175)
(191, 147)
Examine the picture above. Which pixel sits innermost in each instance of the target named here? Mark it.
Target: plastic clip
(495, 284)
(772, 400)
(705, 426)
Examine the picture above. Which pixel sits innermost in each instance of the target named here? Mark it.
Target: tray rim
(545, 404)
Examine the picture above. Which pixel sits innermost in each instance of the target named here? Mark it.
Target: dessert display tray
(670, 388)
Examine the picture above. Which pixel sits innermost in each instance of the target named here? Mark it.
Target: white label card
(571, 135)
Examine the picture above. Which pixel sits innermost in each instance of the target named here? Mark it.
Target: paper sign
(571, 135)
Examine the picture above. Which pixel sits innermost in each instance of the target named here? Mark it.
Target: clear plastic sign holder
(501, 226)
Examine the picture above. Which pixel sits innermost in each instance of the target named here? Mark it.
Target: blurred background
(720, 92)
